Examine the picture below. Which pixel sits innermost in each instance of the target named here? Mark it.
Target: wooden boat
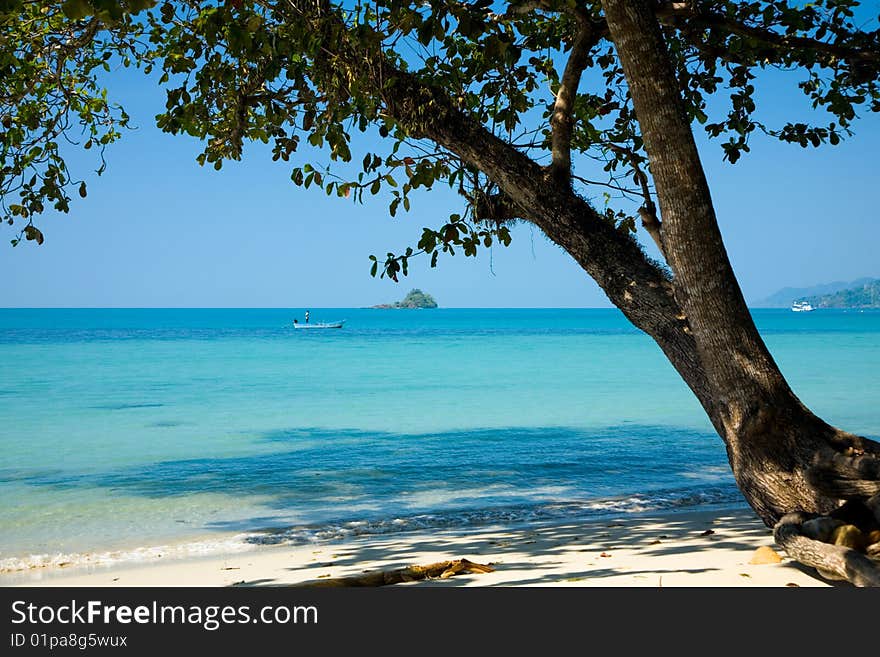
(319, 325)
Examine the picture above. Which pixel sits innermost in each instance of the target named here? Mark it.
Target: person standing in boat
(307, 317)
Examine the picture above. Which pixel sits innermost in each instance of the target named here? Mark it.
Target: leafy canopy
(306, 76)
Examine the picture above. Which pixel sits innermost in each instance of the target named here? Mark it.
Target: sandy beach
(690, 548)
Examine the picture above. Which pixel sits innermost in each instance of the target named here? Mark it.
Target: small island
(416, 299)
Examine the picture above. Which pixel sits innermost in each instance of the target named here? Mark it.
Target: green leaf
(139, 5)
(77, 9)
(167, 11)
(33, 233)
(426, 32)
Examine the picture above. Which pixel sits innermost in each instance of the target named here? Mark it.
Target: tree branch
(674, 13)
(651, 224)
(561, 123)
(590, 31)
(648, 211)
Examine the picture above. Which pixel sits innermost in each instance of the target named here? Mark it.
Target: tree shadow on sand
(544, 554)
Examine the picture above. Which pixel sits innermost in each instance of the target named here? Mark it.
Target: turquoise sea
(129, 433)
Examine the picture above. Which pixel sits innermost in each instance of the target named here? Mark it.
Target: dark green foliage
(51, 101)
(307, 76)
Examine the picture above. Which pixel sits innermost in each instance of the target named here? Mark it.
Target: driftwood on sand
(441, 569)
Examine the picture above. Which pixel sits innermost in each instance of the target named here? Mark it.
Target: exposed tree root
(835, 562)
(441, 569)
(845, 544)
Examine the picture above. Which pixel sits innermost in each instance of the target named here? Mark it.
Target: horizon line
(307, 307)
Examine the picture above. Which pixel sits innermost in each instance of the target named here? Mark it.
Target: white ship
(802, 307)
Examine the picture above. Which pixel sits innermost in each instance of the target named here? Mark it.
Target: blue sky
(157, 230)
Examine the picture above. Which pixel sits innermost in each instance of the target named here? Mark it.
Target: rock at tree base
(821, 528)
(849, 536)
(764, 555)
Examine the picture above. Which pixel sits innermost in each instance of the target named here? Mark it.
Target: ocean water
(125, 434)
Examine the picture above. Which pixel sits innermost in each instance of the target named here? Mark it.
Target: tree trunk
(786, 460)
(772, 439)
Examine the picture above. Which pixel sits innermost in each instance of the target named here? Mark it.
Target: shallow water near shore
(125, 429)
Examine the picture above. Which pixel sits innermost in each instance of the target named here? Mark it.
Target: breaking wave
(725, 495)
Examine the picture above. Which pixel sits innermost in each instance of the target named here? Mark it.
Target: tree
(505, 103)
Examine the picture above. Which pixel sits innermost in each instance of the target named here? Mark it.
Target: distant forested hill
(864, 296)
(787, 295)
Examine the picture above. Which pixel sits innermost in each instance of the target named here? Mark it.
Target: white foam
(336, 531)
(238, 543)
